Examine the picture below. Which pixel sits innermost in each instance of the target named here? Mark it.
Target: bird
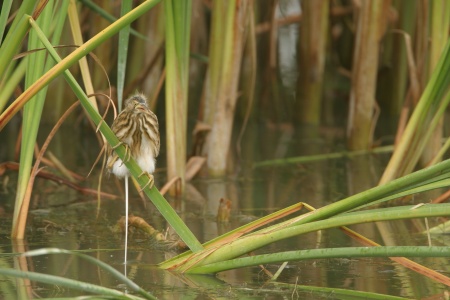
(137, 129)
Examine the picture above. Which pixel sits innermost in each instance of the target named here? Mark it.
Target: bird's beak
(139, 106)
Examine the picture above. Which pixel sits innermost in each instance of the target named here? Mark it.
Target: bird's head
(138, 101)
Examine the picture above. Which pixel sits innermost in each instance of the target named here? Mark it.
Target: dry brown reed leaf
(167, 186)
(193, 166)
(445, 196)
(39, 8)
(412, 67)
(257, 225)
(200, 132)
(201, 127)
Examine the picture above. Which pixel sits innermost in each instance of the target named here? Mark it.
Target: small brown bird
(137, 128)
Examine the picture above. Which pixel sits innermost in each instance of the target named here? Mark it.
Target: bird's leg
(127, 151)
(150, 181)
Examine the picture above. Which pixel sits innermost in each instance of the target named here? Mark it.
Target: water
(62, 218)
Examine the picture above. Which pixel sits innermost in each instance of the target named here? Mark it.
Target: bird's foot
(150, 182)
(127, 151)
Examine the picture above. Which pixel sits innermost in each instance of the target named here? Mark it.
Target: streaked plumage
(136, 127)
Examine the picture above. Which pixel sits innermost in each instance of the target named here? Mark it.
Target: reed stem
(370, 29)
(178, 19)
(226, 50)
(311, 55)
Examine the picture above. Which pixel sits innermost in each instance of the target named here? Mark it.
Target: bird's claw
(127, 151)
(150, 182)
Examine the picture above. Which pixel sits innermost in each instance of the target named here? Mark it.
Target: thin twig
(60, 180)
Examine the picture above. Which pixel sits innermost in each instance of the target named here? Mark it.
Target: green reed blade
(30, 124)
(6, 7)
(124, 36)
(15, 36)
(425, 117)
(347, 252)
(111, 270)
(11, 82)
(109, 17)
(66, 282)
